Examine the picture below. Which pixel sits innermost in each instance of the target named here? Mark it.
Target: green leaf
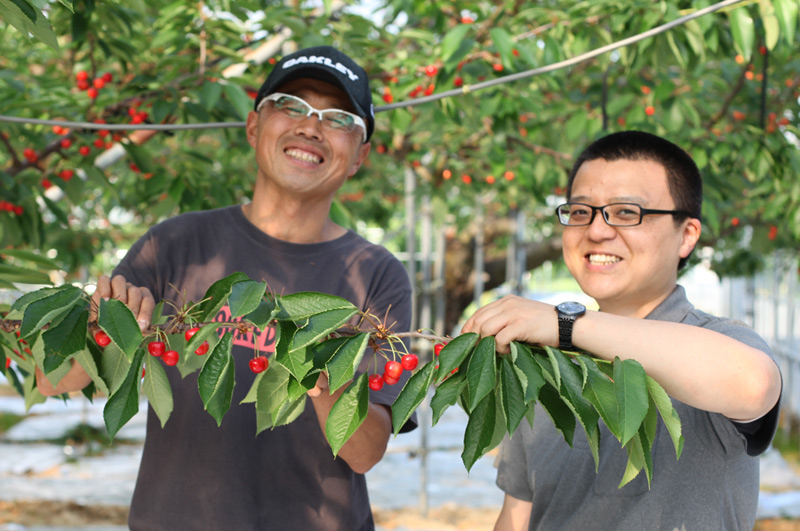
(65, 339)
(636, 460)
(572, 394)
(454, 353)
(299, 306)
(503, 43)
(743, 30)
(86, 360)
(141, 157)
(239, 99)
(481, 371)
(118, 321)
(512, 397)
(446, 395)
(263, 315)
(217, 294)
(24, 301)
(298, 362)
(630, 385)
(786, 12)
(289, 411)
(769, 20)
(209, 94)
(28, 19)
(668, 414)
(204, 333)
(271, 395)
(452, 40)
(23, 275)
(343, 364)
(528, 371)
(124, 403)
(216, 379)
(601, 393)
(114, 366)
(563, 418)
(411, 396)
(31, 256)
(550, 369)
(41, 311)
(348, 413)
(319, 326)
(157, 389)
(479, 432)
(245, 296)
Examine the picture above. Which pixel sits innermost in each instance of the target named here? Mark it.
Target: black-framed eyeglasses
(615, 214)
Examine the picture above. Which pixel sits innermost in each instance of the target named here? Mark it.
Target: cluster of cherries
(92, 87)
(159, 350)
(394, 369)
(8, 206)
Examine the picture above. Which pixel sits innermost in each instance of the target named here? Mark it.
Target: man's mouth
(603, 259)
(303, 156)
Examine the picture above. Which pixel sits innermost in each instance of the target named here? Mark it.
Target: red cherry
(83, 84)
(142, 372)
(202, 349)
(84, 150)
(389, 380)
(388, 97)
(430, 89)
(189, 333)
(99, 143)
(170, 358)
(376, 382)
(8, 363)
(66, 174)
(392, 369)
(458, 81)
(156, 348)
(431, 70)
(99, 83)
(91, 92)
(259, 364)
(29, 154)
(82, 75)
(409, 362)
(437, 348)
(66, 143)
(649, 110)
(107, 77)
(498, 67)
(101, 338)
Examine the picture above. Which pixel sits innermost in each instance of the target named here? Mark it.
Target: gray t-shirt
(197, 476)
(713, 486)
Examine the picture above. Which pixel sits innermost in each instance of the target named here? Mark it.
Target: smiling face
(300, 157)
(628, 270)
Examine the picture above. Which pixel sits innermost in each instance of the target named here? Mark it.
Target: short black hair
(683, 177)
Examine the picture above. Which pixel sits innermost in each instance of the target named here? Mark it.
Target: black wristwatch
(567, 313)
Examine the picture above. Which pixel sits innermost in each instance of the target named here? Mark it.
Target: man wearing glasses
(631, 220)
(309, 131)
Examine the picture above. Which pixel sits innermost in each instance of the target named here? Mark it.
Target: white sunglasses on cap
(297, 108)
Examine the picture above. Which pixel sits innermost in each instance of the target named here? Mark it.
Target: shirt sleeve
(512, 465)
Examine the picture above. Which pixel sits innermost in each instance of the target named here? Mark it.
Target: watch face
(571, 308)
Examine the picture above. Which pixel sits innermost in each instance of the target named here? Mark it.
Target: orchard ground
(59, 474)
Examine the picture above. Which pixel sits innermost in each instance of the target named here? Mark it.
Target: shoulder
(199, 219)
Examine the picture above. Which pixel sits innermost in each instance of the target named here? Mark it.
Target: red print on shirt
(263, 340)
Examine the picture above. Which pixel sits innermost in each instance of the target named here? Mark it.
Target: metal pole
(411, 242)
(522, 266)
(423, 347)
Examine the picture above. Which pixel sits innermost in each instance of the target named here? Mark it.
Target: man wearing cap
(310, 130)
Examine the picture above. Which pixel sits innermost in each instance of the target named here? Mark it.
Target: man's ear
(251, 128)
(691, 234)
(363, 151)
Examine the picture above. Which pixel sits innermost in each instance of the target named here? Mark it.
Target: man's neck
(293, 225)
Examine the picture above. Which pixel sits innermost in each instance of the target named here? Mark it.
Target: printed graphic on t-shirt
(262, 340)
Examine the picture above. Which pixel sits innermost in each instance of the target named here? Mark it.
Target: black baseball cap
(328, 64)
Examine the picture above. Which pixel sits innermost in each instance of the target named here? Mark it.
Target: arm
(700, 367)
(514, 516)
(141, 303)
(367, 445)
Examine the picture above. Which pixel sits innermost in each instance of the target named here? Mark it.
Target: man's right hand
(141, 303)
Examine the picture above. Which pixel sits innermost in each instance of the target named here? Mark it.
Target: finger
(102, 291)
(119, 288)
(146, 308)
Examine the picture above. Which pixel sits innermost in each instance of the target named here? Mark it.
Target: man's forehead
(306, 87)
